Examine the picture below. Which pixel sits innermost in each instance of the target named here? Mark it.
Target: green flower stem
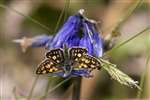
(67, 8)
(142, 80)
(67, 2)
(55, 87)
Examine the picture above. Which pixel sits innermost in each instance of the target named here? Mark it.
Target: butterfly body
(68, 62)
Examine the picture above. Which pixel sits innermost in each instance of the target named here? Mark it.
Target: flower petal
(69, 29)
(73, 41)
(81, 72)
(37, 41)
(40, 41)
(86, 41)
(94, 39)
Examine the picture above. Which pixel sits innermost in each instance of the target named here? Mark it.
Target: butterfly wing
(76, 53)
(85, 65)
(56, 55)
(88, 62)
(48, 66)
(82, 63)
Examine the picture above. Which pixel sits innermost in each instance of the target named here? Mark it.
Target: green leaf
(118, 75)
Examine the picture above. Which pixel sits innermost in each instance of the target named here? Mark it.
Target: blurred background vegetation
(17, 69)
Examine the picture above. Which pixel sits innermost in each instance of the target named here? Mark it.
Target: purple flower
(77, 31)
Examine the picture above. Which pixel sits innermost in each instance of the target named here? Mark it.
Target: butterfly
(67, 62)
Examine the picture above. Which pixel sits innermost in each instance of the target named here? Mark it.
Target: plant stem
(67, 2)
(126, 16)
(58, 85)
(76, 88)
(32, 88)
(123, 43)
(143, 76)
(67, 8)
(115, 30)
(55, 87)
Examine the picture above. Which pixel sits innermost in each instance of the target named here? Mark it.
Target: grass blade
(125, 17)
(47, 88)
(55, 87)
(125, 42)
(142, 80)
(67, 2)
(28, 17)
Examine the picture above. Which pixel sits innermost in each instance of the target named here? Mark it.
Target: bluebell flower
(77, 31)
(67, 34)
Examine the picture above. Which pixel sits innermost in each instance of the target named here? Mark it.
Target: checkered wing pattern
(48, 66)
(87, 62)
(76, 53)
(56, 55)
